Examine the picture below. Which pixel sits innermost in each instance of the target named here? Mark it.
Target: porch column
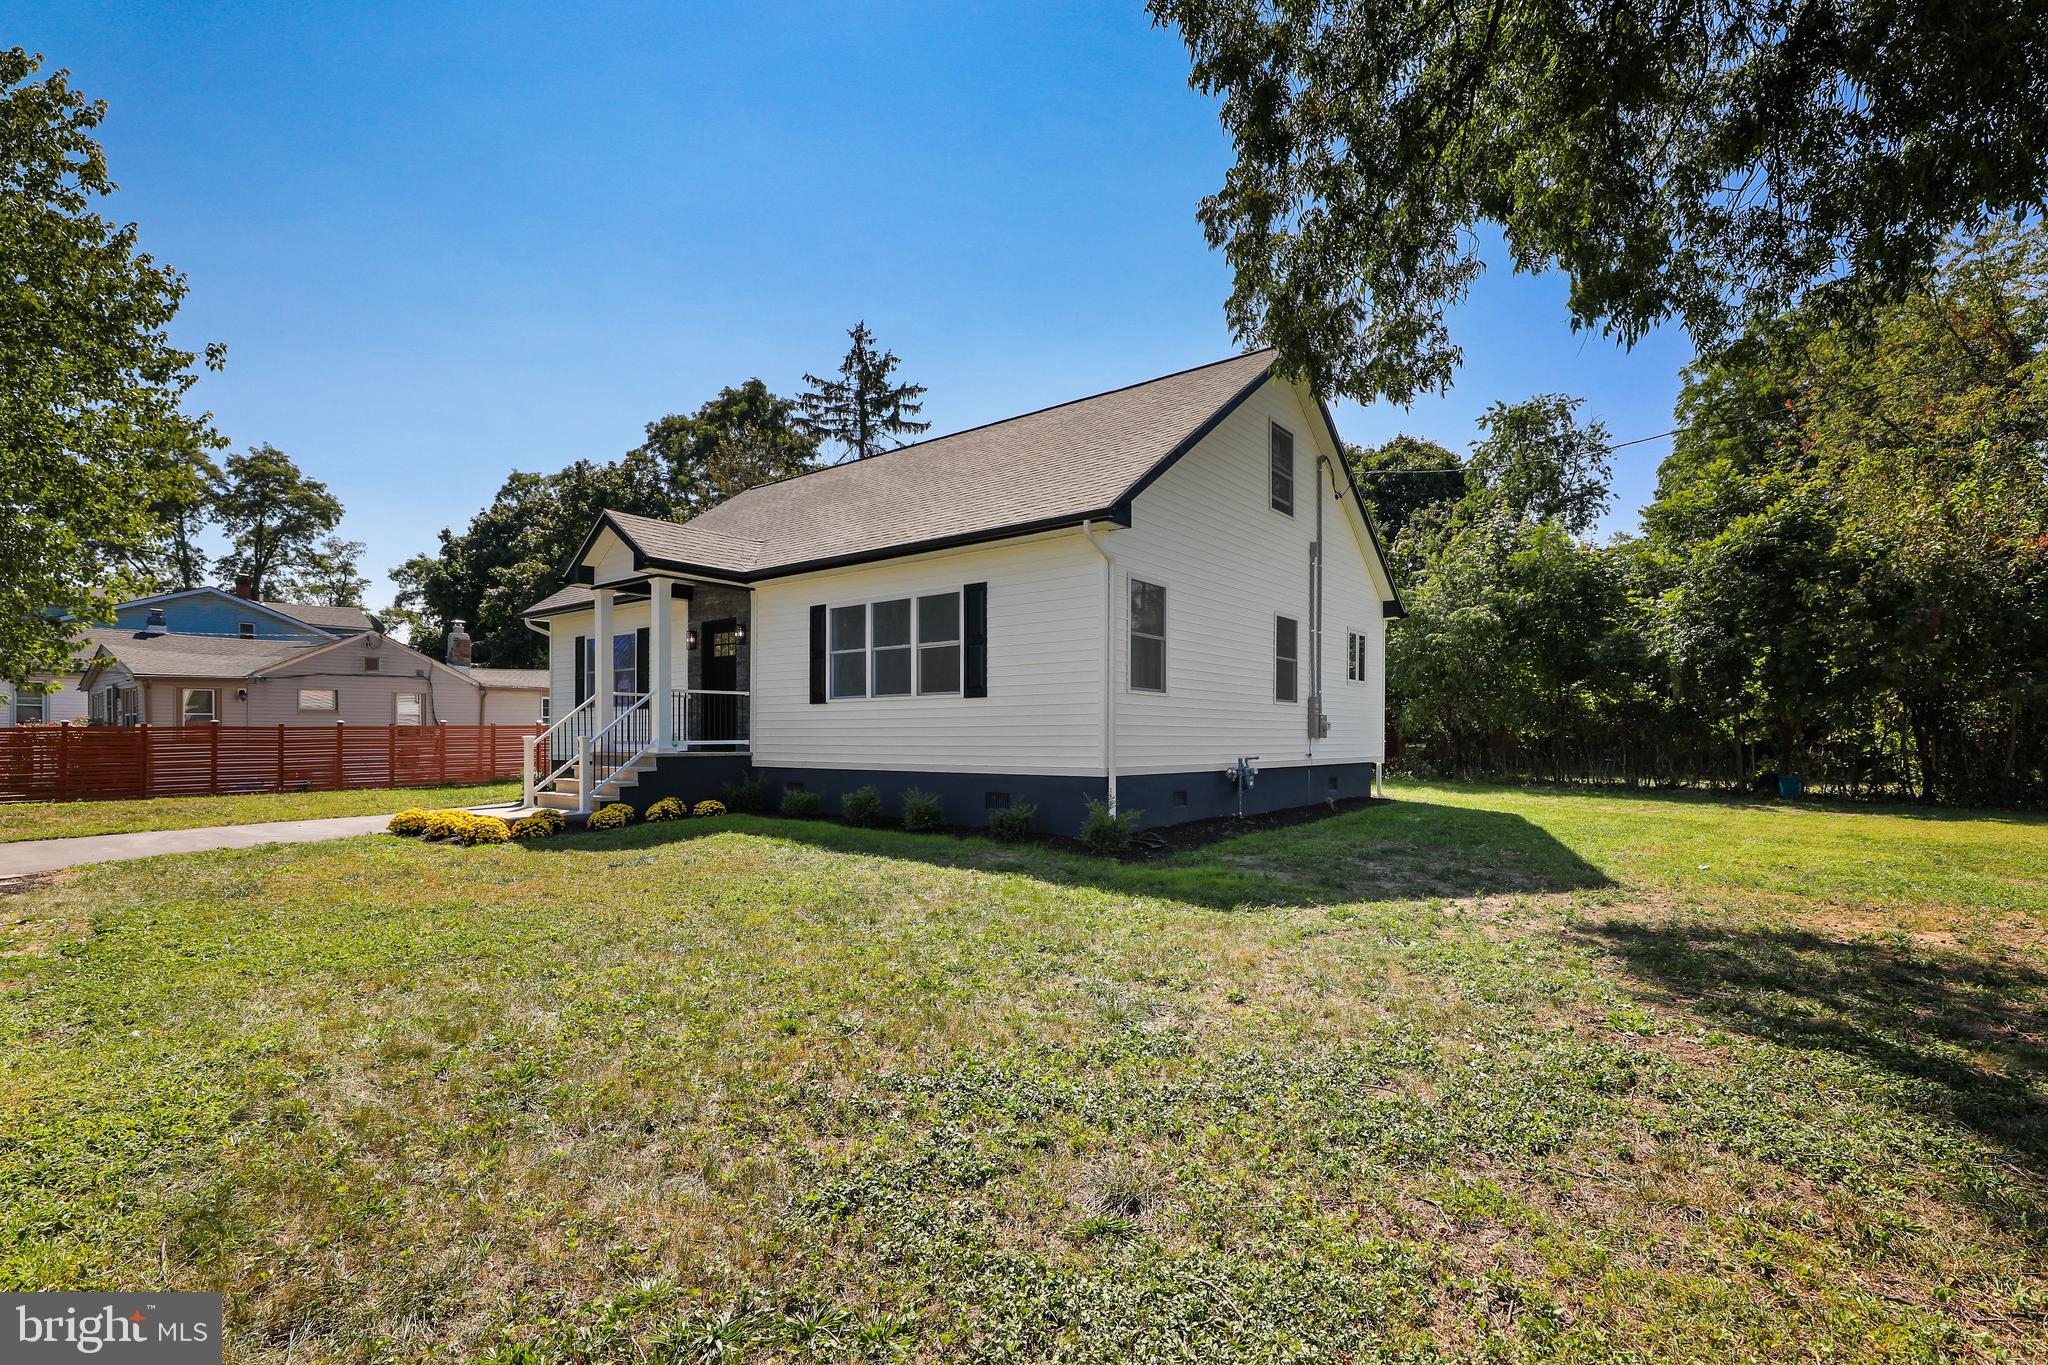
(601, 685)
(660, 640)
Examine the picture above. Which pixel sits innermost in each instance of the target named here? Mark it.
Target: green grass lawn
(69, 819)
(1478, 1073)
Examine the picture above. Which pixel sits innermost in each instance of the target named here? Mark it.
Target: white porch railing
(709, 718)
(557, 747)
(615, 748)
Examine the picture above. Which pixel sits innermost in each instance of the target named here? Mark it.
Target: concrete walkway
(30, 856)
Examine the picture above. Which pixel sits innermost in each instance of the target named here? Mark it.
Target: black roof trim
(1396, 609)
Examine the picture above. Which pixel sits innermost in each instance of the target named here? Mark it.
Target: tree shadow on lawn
(1969, 1037)
(1725, 800)
(1396, 851)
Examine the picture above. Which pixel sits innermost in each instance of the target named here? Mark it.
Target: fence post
(340, 763)
(583, 802)
(526, 744)
(280, 755)
(213, 770)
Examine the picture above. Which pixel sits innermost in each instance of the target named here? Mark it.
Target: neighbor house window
(248, 630)
(30, 707)
(1355, 671)
(1286, 659)
(316, 699)
(409, 708)
(1281, 449)
(197, 705)
(896, 647)
(369, 663)
(1148, 637)
(849, 651)
(544, 708)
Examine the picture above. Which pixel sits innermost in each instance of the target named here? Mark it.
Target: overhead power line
(1617, 445)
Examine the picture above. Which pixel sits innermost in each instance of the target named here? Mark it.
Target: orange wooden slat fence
(73, 763)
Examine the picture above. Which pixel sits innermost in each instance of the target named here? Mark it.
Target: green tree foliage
(1711, 162)
(92, 438)
(1403, 479)
(861, 411)
(1844, 572)
(327, 575)
(511, 554)
(278, 522)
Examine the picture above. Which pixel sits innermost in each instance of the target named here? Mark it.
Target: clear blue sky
(444, 242)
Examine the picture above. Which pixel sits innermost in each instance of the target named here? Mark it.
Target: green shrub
(743, 795)
(801, 804)
(707, 808)
(862, 806)
(1012, 822)
(922, 812)
(1107, 831)
(668, 808)
(410, 823)
(615, 816)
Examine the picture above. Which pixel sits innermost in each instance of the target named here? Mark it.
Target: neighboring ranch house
(154, 677)
(194, 611)
(1138, 597)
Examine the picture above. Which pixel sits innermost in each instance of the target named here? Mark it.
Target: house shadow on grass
(1392, 851)
(1969, 1038)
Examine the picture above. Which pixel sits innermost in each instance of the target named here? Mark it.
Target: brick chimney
(245, 586)
(458, 646)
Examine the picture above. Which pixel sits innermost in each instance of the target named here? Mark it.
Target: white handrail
(593, 749)
(589, 703)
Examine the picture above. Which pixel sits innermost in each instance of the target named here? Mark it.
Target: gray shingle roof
(1045, 468)
(196, 656)
(326, 618)
(536, 678)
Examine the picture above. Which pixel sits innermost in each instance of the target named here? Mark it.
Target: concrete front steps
(567, 792)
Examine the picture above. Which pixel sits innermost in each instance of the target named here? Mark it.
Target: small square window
(370, 662)
(248, 630)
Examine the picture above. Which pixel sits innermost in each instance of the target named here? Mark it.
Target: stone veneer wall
(710, 603)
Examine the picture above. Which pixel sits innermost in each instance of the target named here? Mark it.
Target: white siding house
(1138, 597)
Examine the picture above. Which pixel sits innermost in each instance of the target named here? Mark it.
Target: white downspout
(1108, 660)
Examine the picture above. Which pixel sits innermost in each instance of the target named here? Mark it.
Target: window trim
(1358, 660)
(245, 630)
(333, 695)
(1293, 661)
(1131, 635)
(1272, 466)
(185, 695)
(39, 700)
(916, 646)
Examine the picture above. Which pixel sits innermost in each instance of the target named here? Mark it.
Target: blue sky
(445, 242)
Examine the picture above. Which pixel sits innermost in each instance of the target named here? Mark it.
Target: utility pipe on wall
(1108, 660)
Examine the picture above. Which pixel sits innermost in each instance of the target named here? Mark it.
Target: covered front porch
(657, 665)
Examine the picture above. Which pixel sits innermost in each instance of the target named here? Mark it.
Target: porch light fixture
(739, 632)
(689, 639)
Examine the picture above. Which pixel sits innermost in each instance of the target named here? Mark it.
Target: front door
(721, 673)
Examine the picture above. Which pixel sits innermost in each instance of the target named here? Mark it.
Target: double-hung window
(1281, 450)
(30, 707)
(1286, 658)
(1148, 637)
(1356, 669)
(897, 647)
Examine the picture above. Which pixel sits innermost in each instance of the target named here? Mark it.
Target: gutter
(1108, 660)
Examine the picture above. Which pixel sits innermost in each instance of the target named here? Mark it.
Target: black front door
(721, 673)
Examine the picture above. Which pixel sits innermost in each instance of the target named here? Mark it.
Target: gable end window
(1286, 658)
(1148, 637)
(1355, 670)
(248, 630)
(1281, 450)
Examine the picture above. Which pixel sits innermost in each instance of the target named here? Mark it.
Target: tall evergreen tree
(861, 410)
